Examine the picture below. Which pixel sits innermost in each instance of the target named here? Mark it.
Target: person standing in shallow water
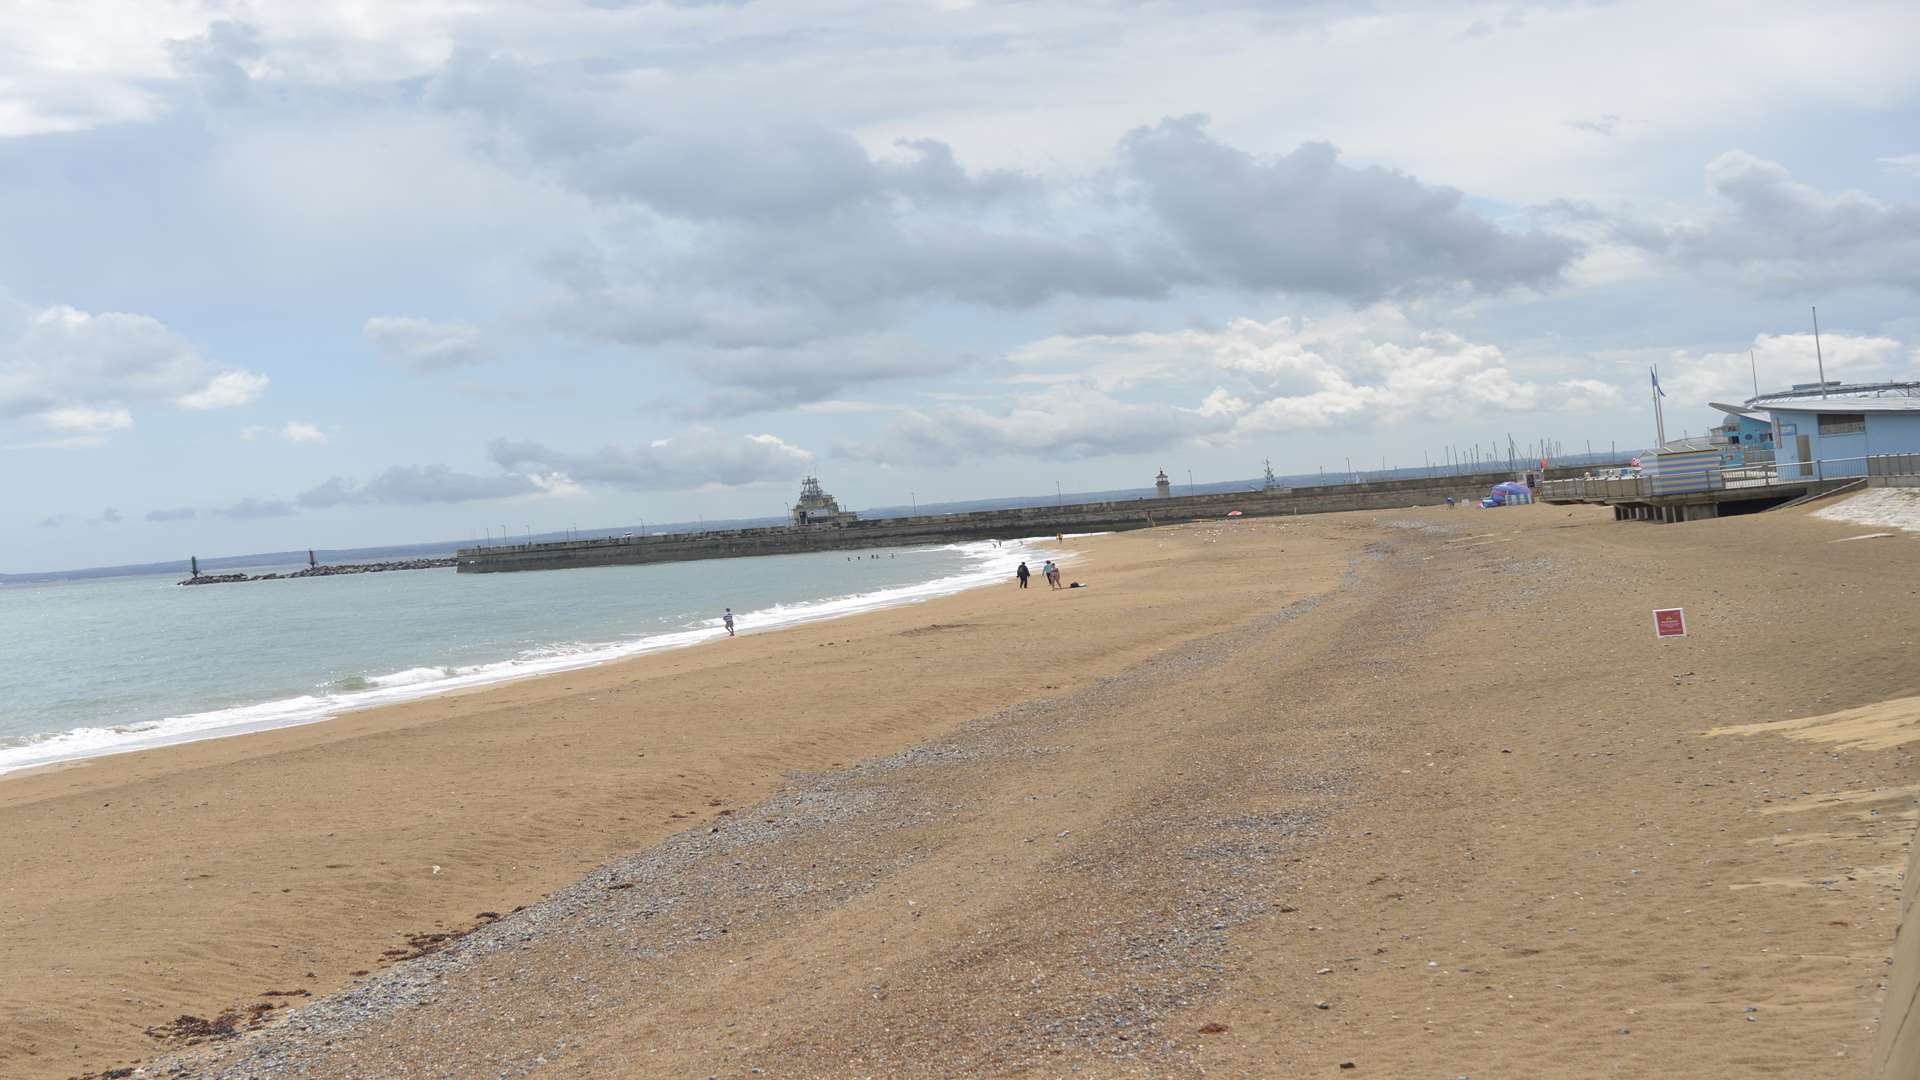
(1023, 574)
(728, 619)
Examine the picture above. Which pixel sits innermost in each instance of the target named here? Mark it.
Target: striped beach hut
(1683, 472)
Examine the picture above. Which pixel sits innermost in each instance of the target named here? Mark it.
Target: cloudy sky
(278, 275)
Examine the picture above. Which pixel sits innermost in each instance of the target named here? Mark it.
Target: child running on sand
(728, 619)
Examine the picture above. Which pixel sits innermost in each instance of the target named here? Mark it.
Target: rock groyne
(335, 570)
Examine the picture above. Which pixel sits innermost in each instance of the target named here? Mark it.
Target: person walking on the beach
(728, 619)
(1052, 573)
(1023, 574)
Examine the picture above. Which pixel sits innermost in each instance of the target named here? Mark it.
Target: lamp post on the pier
(915, 500)
(1189, 481)
(1058, 498)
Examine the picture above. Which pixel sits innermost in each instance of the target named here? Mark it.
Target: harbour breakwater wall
(1007, 524)
(321, 571)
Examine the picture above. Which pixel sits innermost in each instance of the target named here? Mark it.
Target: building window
(1842, 423)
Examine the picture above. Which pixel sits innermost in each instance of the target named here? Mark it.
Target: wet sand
(1428, 770)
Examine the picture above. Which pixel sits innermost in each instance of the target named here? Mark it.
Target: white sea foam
(416, 676)
(992, 563)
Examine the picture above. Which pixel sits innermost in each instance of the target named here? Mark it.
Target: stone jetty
(323, 571)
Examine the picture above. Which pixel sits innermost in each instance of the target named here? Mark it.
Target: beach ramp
(1892, 507)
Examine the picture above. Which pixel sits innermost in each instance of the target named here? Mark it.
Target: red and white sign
(1670, 622)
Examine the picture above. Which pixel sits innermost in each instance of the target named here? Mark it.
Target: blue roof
(1751, 412)
(1846, 405)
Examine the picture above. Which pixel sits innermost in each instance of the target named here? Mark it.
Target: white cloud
(1286, 372)
(1074, 422)
(1906, 163)
(71, 442)
(847, 200)
(1770, 233)
(749, 380)
(70, 367)
(1249, 379)
(837, 407)
(293, 431)
(557, 485)
(225, 390)
(418, 485)
(69, 67)
(1781, 360)
(251, 508)
(426, 346)
(1032, 83)
(80, 418)
(398, 485)
(1305, 221)
(695, 459)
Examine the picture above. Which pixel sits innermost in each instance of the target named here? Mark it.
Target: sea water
(103, 666)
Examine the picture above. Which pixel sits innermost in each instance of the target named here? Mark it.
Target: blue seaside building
(1746, 438)
(1772, 449)
(1832, 430)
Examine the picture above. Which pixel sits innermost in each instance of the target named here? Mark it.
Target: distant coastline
(446, 548)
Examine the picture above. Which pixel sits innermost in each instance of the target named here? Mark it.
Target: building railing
(1750, 475)
(1893, 464)
(1828, 468)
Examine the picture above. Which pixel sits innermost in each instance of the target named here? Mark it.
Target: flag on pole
(1656, 382)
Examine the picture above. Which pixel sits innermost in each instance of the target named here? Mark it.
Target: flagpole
(1659, 419)
(1817, 354)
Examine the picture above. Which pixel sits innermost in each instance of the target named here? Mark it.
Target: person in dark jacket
(1023, 574)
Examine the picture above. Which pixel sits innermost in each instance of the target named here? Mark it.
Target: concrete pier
(1009, 524)
(1632, 501)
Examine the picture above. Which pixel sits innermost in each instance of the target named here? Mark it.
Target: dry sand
(1427, 769)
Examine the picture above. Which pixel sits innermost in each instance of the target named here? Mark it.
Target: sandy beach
(1407, 793)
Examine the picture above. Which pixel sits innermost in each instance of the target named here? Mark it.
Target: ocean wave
(991, 562)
